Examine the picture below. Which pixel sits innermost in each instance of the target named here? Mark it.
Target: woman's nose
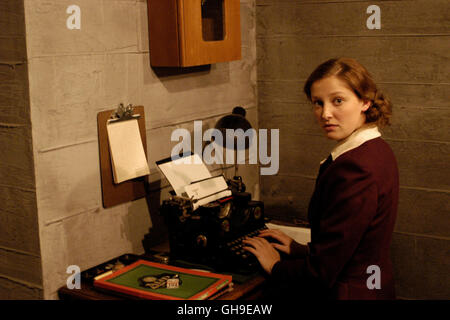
(326, 112)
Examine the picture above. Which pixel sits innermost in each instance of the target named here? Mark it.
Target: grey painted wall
(73, 75)
(20, 263)
(409, 59)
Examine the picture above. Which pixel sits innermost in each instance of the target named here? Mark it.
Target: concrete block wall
(73, 75)
(409, 59)
(20, 261)
(49, 172)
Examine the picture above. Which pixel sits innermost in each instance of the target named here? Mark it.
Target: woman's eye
(317, 103)
(338, 101)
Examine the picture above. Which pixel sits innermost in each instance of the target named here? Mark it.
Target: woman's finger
(275, 236)
(251, 242)
(269, 232)
(251, 250)
(280, 247)
(256, 242)
(278, 236)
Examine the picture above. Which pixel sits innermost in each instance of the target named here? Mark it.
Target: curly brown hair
(362, 84)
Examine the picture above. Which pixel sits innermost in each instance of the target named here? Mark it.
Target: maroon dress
(352, 214)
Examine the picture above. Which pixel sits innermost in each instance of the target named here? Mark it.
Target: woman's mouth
(329, 127)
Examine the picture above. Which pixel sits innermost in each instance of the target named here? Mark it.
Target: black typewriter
(212, 234)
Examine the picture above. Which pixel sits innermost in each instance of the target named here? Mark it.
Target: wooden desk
(250, 290)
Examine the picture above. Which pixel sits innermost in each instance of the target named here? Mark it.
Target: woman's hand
(263, 251)
(285, 242)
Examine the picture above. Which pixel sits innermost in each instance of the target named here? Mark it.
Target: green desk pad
(190, 284)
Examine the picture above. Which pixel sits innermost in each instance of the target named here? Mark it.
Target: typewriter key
(202, 241)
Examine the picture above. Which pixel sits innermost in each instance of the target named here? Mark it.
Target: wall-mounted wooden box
(185, 33)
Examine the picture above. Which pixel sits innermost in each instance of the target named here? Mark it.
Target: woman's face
(337, 108)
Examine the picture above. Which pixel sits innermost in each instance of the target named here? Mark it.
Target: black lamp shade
(235, 120)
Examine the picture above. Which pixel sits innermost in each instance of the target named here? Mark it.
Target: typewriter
(208, 230)
(212, 235)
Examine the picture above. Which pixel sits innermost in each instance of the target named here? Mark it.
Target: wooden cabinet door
(181, 36)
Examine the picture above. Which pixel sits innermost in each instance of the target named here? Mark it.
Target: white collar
(358, 137)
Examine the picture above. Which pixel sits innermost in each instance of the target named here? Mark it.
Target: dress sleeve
(298, 250)
(348, 203)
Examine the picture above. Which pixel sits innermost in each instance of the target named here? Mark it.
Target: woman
(354, 205)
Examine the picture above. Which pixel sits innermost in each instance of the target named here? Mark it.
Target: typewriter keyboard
(241, 256)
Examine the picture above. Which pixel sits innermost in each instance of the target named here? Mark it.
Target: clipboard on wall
(117, 193)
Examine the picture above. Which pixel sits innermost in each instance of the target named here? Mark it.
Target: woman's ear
(367, 104)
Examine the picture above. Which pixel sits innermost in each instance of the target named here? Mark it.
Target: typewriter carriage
(205, 236)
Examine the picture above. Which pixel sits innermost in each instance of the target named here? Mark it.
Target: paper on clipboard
(128, 158)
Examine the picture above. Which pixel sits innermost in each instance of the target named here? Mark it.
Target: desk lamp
(235, 120)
